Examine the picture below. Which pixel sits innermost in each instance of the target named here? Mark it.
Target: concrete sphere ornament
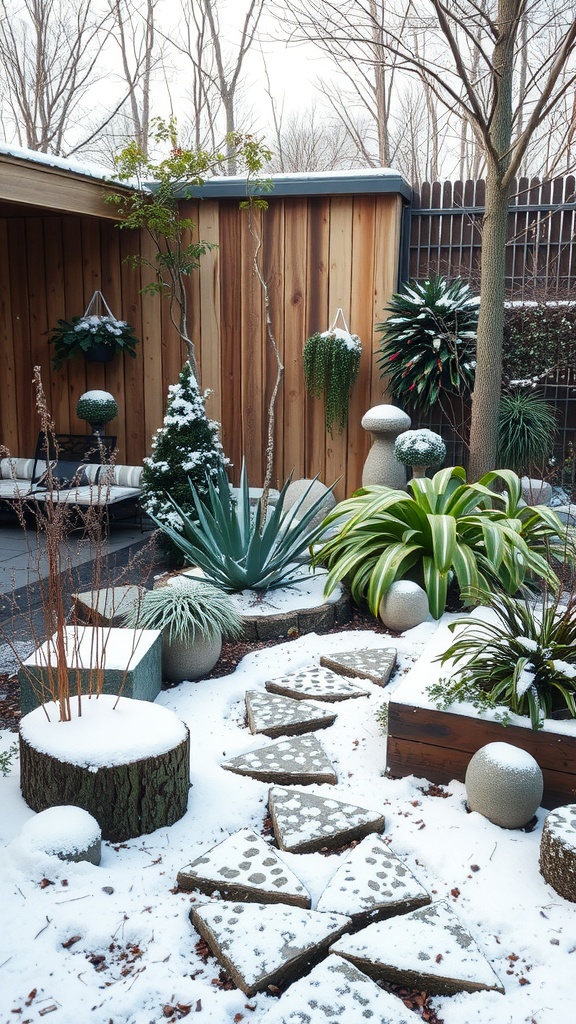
(505, 784)
(403, 606)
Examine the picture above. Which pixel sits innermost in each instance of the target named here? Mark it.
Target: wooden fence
(319, 252)
(446, 234)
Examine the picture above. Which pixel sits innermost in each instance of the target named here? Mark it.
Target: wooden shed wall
(318, 254)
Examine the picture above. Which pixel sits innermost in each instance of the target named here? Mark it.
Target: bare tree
(217, 69)
(135, 34)
(50, 53)
(306, 142)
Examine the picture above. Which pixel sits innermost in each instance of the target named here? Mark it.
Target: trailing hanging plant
(428, 342)
(331, 364)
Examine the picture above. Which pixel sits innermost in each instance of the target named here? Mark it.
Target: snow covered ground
(114, 943)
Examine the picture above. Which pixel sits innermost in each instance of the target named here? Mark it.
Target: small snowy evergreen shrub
(186, 449)
(331, 364)
(419, 448)
(97, 407)
(526, 660)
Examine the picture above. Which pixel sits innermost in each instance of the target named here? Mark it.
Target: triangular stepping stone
(260, 945)
(429, 949)
(375, 664)
(273, 715)
(245, 868)
(301, 759)
(335, 992)
(304, 823)
(316, 682)
(372, 884)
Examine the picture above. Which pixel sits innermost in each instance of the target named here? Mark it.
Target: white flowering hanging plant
(331, 364)
(83, 333)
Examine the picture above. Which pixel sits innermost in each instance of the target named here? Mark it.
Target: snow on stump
(558, 851)
(69, 833)
(124, 761)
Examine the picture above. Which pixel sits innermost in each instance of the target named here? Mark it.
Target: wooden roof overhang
(29, 186)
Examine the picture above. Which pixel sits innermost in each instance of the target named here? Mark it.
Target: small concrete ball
(403, 606)
(67, 832)
(504, 783)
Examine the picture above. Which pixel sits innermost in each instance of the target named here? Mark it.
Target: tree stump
(128, 797)
(558, 851)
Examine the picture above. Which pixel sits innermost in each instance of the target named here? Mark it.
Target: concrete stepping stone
(301, 759)
(244, 867)
(304, 823)
(335, 992)
(261, 945)
(375, 664)
(372, 884)
(429, 949)
(273, 715)
(316, 682)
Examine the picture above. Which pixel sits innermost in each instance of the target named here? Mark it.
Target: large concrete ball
(504, 783)
(403, 606)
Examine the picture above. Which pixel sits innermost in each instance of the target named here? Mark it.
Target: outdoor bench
(79, 477)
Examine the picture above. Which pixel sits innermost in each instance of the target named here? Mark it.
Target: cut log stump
(558, 851)
(132, 781)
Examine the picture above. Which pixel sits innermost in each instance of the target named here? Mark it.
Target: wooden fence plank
(8, 405)
(362, 324)
(209, 309)
(317, 270)
(231, 363)
(295, 325)
(339, 296)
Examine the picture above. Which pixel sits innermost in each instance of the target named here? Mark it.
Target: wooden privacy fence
(446, 234)
(326, 243)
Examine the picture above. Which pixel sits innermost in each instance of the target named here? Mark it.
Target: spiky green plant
(442, 530)
(331, 364)
(526, 660)
(186, 608)
(428, 342)
(234, 547)
(527, 428)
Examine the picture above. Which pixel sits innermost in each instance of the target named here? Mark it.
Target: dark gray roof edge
(372, 182)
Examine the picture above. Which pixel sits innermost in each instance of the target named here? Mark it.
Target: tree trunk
(486, 396)
(127, 800)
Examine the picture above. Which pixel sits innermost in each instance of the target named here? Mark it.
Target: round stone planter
(126, 762)
(298, 622)
(188, 660)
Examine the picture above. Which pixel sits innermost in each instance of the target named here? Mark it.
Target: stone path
(374, 918)
(273, 715)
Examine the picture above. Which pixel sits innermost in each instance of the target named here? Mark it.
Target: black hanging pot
(100, 353)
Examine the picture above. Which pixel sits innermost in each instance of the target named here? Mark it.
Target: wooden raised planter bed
(437, 745)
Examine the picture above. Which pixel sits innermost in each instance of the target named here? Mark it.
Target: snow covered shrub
(97, 407)
(428, 342)
(419, 448)
(331, 364)
(185, 449)
(526, 660)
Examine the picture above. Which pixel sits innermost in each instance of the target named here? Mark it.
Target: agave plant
(526, 660)
(235, 547)
(428, 342)
(443, 529)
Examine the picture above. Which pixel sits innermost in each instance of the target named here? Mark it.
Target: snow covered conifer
(186, 446)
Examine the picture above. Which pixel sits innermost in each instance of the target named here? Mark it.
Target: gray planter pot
(189, 660)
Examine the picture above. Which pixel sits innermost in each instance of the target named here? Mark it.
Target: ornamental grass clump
(440, 532)
(186, 609)
(331, 364)
(527, 428)
(428, 342)
(239, 549)
(525, 660)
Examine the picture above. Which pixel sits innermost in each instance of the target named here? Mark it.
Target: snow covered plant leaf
(232, 546)
(526, 660)
(443, 530)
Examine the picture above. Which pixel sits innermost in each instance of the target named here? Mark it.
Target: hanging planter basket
(331, 364)
(98, 334)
